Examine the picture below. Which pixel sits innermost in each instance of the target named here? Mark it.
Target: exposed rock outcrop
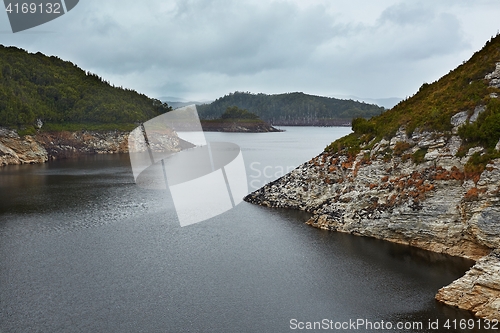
(494, 77)
(389, 192)
(65, 144)
(482, 288)
(17, 150)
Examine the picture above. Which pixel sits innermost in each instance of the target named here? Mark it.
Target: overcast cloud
(204, 49)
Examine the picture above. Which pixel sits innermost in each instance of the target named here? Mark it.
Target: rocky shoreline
(17, 150)
(238, 126)
(431, 204)
(46, 146)
(312, 122)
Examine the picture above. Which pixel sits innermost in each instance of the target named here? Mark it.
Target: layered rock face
(46, 146)
(16, 150)
(65, 144)
(410, 190)
(478, 290)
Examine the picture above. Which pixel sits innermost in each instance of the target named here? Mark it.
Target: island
(235, 119)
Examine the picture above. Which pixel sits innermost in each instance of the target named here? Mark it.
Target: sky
(200, 50)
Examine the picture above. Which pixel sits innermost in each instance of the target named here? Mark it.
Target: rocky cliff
(46, 146)
(434, 189)
(16, 150)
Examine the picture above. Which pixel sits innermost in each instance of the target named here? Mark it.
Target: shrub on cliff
(486, 130)
(362, 126)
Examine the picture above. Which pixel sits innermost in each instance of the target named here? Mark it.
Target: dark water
(83, 249)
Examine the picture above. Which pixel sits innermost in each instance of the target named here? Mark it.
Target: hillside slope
(36, 90)
(425, 173)
(51, 109)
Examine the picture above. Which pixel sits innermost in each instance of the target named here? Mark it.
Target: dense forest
(290, 108)
(234, 112)
(34, 88)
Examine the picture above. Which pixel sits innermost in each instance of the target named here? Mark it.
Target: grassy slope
(434, 104)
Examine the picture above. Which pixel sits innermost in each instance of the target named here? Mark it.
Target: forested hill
(63, 96)
(291, 108)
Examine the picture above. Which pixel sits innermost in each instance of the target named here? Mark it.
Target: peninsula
(425, 173)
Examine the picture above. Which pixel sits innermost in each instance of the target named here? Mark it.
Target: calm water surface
(83, 249)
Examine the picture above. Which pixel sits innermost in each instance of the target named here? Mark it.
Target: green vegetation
(98, 127)
(234, 116)
(418, 156)
(350, 143)
(291, 107)
(434, 104)
(486, 130)
(234, 112)
(477, 163)
(64, 97)
(401, 147)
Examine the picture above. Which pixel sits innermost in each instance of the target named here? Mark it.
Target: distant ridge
(295, 108)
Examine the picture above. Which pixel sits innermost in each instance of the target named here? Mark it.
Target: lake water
(83, 249)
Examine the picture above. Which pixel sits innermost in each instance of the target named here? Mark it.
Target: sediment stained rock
(46, 146)
(17, 150)
(65, 144)
(478, 290)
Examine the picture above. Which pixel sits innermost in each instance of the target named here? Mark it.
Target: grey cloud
(420, 32)
(407, 13)
(214, 36)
